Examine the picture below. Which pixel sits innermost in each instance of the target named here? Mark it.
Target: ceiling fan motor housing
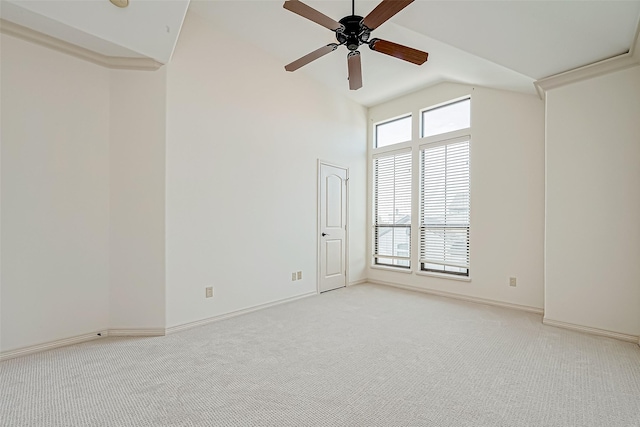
(354, 33)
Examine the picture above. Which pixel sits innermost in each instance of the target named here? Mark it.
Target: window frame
(435, 144)
(439, 136)
(433, 141)
(391, 120)
(375, 256)
(414, 145)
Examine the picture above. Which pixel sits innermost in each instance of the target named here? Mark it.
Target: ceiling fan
(354, 31)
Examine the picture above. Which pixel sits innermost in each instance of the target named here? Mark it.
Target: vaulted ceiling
(503, 44)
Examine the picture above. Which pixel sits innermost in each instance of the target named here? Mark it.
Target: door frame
(319, 224)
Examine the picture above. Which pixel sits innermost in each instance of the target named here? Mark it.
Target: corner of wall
(137, 152)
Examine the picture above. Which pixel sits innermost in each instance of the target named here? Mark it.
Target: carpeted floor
(362, 356)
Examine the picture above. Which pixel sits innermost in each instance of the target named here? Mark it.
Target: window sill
(394, 269)
(444, 276)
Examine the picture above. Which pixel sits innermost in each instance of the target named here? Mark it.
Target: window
(445, 189)
(430, 173)
(392, 209)
(446, 118)
(393, 131)
(444, 207)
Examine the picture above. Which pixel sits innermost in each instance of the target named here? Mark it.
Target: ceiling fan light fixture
(120, 3)
(353, 31)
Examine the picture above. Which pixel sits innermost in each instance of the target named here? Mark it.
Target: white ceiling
(500, 44)
(505, 44)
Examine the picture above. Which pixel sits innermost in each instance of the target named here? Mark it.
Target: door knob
(324, 234)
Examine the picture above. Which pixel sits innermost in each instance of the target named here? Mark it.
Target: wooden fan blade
(385, 10)
(311, 14)
(399, 51)
(355, 70)
(311, 57)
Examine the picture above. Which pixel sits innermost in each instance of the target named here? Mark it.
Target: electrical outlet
(208, 292)
(299, 275)
(512, 281)
(293, 276)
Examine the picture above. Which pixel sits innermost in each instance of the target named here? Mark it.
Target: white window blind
(392, 209)
(444, 207)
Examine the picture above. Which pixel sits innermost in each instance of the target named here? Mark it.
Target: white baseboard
(495, 303)
(357, 282)
(148, 332)
(240, 312)
(590, 330)
(24, 351)
(153, 332)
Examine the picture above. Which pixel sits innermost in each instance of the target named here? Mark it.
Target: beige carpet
(362, 356)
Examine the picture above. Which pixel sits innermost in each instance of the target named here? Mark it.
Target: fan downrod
(353, 31)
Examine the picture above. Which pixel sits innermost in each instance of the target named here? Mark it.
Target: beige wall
(243, 142)
(593, 203)
(86, 152)
(137, 199)
(83, 192)
(55, 195)
(507, 194)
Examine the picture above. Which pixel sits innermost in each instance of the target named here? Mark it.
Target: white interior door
(332, 204)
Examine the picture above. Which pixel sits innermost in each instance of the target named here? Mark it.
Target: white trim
(408, 258)
(607, 66)
(189, 325)
(150, 332)
(441, 262)
(24, 351)
(357, 282)
(590, 330)
(617, 63)
(391, 268)
(484, 301)
(153, 332)
(115, 62)
(444, 275)
(401, 148)
(634, 52)
(445, 139)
